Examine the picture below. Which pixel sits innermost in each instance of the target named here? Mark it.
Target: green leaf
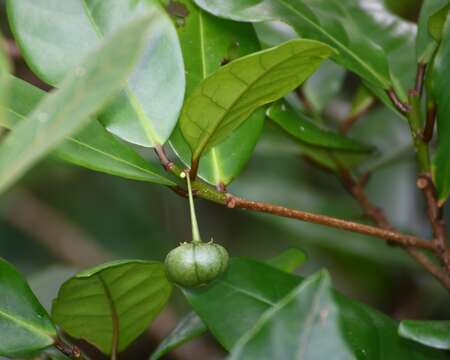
(4, 78)
(328, 148)
(371, 41)
(437, 21)
(435, 334)
(207, 43)
(112, 304)
(82, 93)
(289, 260)
(93, 148)
(324, 85)
(54, 36)
(190, 327)
(362, 101)
(304, 325)
(441, 93)
(25, 327)
(227, 98)
(425, 44)
(251, 289)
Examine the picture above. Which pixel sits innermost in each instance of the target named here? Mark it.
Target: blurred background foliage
(61, 215)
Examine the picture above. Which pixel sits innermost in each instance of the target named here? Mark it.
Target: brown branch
(70, 351)
(420, 76)
(377, 215)
(428, 130)
(356, 188)
(402, 239)
(401, 106)
(436, 217)
(165, 162)
(350, 120)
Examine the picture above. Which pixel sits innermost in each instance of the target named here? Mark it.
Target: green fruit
(196, 264)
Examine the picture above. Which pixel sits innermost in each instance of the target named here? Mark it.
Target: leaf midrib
(40, 332)
(349, 51)
(217, 174)
(106, 154)
(249, 86)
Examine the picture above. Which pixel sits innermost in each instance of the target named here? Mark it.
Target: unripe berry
(196, 264)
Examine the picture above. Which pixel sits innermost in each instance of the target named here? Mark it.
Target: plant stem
(70, 351)
(231, 201)
(379, 218)
(195, 230)
(403, 239)
(427, 133)
(415, 124)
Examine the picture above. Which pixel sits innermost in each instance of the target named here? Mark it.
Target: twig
(420, 76)
(161, 153)
(408, 241)
(377, 215)
(350, 120)
(403, 239)
(70, 351)
(356, 188)
(401, 106)
(435, 215)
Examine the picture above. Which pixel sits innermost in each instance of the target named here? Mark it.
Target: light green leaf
(435, 334)
(55, 35)
(112, 304)
(371, 41)
(190, 327)
(330, 149)
(25, 327)
(227, 98)
(289, 260)
(425, 44)
(4, 78)
(93, 148)
(207, 43)
(82, 93)
(441, 94)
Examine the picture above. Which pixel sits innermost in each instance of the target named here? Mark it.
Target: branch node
(401, 106)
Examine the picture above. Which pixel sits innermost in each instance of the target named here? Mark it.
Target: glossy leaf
(82, 93)
(370, 40)
(251, 286)
(207, 43)
(112, 304)
(326, 147)
(227, 98)
(190, 327)
(288, 260)
(253, 290)
(304, 325)
(435, 334)
(441, 93)
(426, 45)
(324, 85)
(25, 327)
(93, 148)
(54, 36)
